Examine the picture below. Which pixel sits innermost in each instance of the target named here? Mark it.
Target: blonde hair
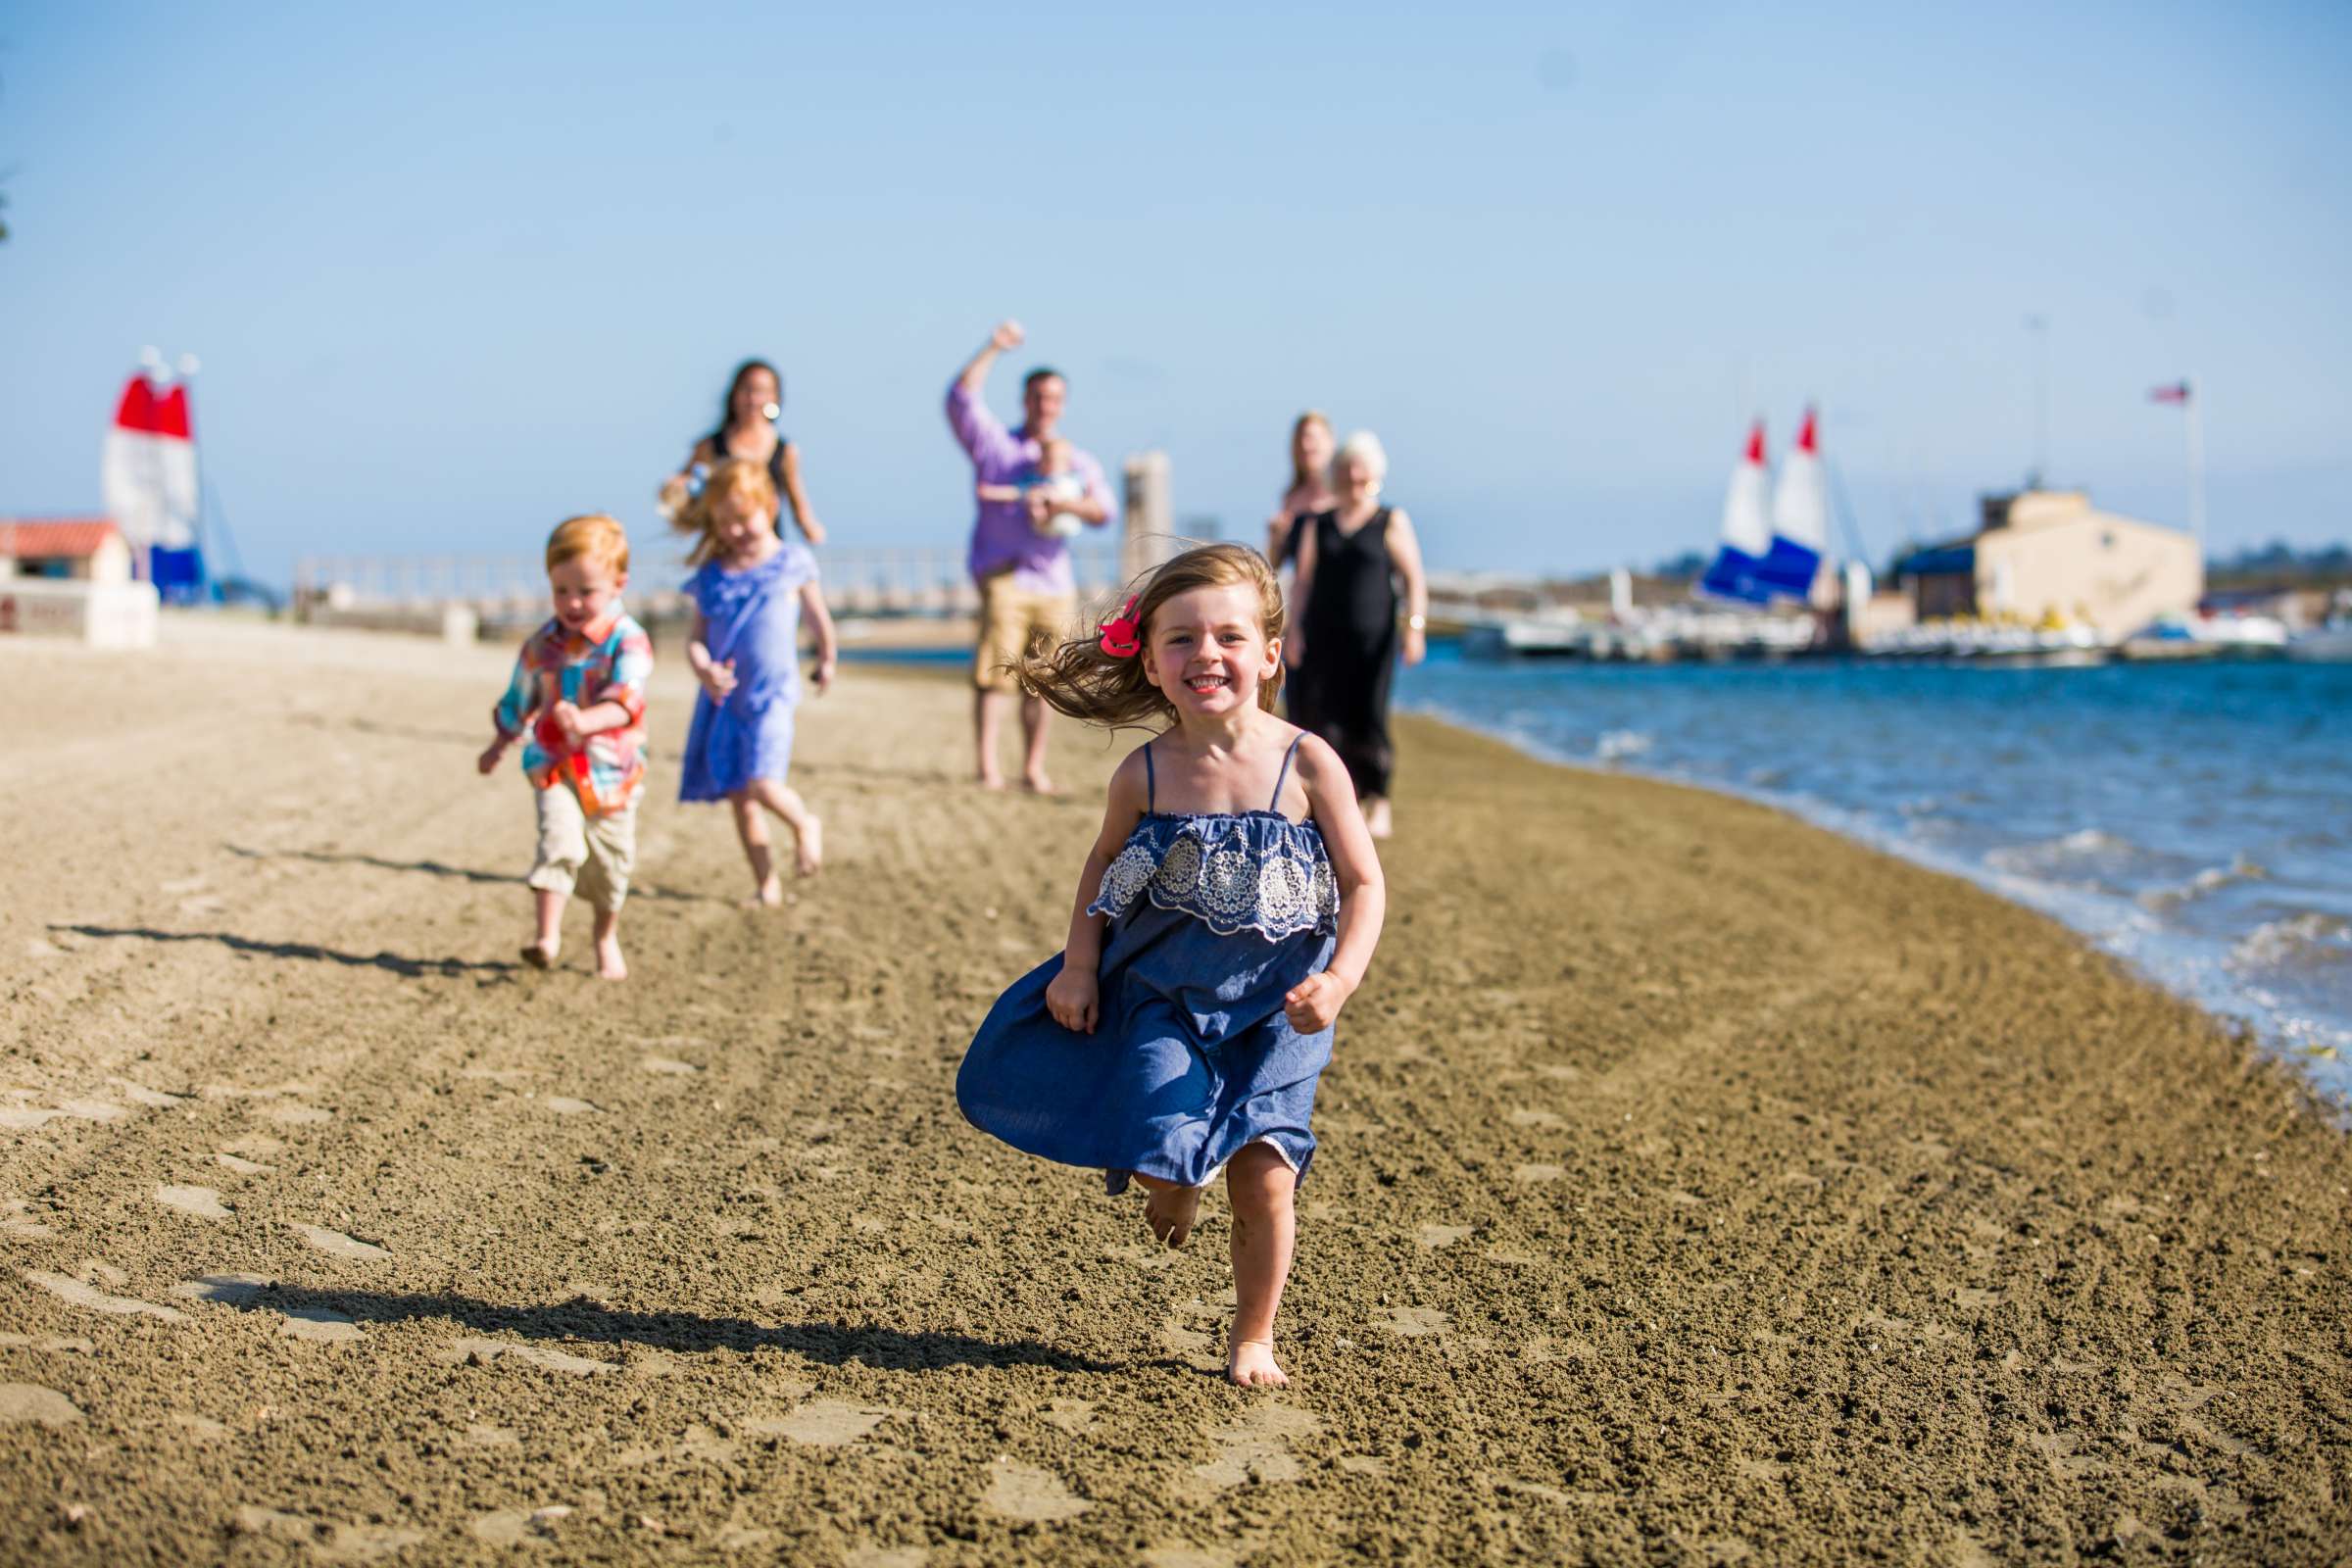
(1362, 446)
(594, 535)
(1300, 479)
(1080, 679)
(729, 478)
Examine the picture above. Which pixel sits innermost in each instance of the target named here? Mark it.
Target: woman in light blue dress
(1184, 1026)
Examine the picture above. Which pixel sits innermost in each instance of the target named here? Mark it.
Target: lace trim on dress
(1210, 868)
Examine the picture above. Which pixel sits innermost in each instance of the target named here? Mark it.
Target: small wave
(2211, 879)
(1617, 744)
(2295, 943)
(2081, 847)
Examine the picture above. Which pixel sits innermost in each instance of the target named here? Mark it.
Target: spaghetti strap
(1284, 777)
(1151, 781)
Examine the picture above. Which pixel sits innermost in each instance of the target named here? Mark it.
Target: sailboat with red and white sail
(1765, 558)
(147, 477)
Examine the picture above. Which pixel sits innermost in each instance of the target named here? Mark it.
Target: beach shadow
(462, 873)
(873, 773)
(584, 1322)
(396, 963)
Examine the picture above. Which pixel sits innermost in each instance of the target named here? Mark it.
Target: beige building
(2048, 556)
(72, 548)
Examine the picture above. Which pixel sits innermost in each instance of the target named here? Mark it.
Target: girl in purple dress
(751, 589)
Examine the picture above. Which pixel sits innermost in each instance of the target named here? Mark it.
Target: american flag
(2178, 392)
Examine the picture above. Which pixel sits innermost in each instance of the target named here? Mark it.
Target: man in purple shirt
(1027, 591)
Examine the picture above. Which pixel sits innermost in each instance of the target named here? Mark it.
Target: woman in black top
(746, 430)
(1359, 564)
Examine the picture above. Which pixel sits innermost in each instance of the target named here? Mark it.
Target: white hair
(1362, 446)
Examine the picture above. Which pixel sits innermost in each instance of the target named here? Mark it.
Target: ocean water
(2195, 820)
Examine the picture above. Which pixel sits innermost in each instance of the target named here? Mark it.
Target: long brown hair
(1300, 479)
(1080, 679)
(738, 477)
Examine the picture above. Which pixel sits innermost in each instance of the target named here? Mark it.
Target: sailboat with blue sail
(1766, 558)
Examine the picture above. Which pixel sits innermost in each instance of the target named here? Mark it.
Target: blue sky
(455, 277)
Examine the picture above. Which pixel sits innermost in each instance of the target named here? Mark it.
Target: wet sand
(1695, 1187)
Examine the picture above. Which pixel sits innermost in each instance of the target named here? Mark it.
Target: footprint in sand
(25, 1118)
(203, 1202)
(1538, 1174)
(243, 1166)
(480, 1436)
(1363, 1464)
(330, 1541)
(822, 1423)
(1436, 1236)
(203, 1428)
(28, 1403)
(1415, 1322)
(334, 1244)
(18, 1223)
(565, 1105)
(1535, 1118)
(152, 1099)
(297, 1115)
(54, 1343)
(1074, 1417)
(669, 1067)
(512, 1527)
(1257, 1446)
(1024, 1492)
(466, 1353)
(97, 1301)
(314, 1323)
(886, 1558)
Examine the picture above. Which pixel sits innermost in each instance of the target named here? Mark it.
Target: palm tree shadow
(461, 873)
(584, 1322)
(251, 946)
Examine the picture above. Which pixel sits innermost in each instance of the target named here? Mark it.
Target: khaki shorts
(595, 854)
(1013, 621)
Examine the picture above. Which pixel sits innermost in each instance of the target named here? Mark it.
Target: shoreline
(1695, 1183)
(2328, 1078)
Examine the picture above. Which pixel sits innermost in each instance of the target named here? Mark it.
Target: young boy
(583, 676)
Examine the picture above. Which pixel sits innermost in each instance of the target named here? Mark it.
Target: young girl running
(749, 593)
(1226, 914)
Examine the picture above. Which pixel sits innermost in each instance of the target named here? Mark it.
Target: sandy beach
(1695, 1187)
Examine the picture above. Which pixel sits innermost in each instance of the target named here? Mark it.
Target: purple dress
(753, 617)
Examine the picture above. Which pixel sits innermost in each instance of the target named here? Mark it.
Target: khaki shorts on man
(596, 853)
(1013, 621)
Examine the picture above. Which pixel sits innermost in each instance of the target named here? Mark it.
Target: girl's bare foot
(610, 965)
(991, 780)
(770, 896)
(810, 852)
(1251, 1364)
(1171, 1211)
(540, 956)
(1036, 782)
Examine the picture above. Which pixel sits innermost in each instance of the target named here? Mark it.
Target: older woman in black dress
(1360, 574)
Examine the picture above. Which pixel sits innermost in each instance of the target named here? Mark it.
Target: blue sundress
(753, 617)
(1213, 917)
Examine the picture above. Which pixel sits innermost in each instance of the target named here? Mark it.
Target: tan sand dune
(1695, 1187)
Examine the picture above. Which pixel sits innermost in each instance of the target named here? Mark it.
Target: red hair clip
(1122, 638)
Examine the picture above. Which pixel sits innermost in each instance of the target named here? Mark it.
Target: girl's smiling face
(1207, 649)
(741, 529)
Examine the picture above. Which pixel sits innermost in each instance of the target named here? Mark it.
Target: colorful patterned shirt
(607, 662)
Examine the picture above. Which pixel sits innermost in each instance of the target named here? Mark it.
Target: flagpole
(2194, 411)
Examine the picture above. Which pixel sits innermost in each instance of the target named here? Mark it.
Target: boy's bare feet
(610, 965)
(768, 896)
(1379, 820)
(1036, 782)
(539, 956)
(1171, 1211)
(810, 852)
(1251, 1364)
(990, 780)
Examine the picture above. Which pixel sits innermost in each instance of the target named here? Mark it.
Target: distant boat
(1759, 561)
(2330, 643)
(1737, 570)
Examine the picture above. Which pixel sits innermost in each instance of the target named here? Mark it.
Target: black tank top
(775, 459)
